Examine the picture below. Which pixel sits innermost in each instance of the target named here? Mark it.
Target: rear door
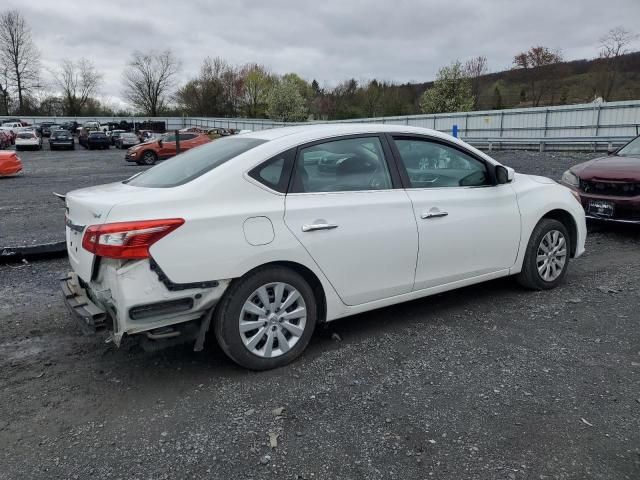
(354, 220)
(467, 225)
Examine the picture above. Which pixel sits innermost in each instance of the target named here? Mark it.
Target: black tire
(529, 277)
(73, 147)
(149, 158)
(227, 317)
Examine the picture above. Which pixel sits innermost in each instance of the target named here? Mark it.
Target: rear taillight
(127, 240)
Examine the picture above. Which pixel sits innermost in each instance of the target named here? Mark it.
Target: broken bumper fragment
(90, 317)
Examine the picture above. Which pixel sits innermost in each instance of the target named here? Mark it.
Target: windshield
(193, 163)
(631, 148)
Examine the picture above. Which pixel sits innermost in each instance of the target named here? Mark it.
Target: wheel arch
(565, 217)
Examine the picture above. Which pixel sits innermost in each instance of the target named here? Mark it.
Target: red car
(10, 133)
(150, 152)
(5, 140)
(609, 187)
(10, 163)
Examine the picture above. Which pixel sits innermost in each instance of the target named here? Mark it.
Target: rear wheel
(266, 319)
(149, 157)
(547, 256)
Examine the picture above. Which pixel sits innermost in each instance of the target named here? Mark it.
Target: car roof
(299, 134)
(328, 129)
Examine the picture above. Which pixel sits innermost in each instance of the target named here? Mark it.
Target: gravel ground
(486, 382)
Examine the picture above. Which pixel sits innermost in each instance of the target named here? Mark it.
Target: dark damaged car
(609, 187)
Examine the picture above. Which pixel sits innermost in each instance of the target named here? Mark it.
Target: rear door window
(351, 164)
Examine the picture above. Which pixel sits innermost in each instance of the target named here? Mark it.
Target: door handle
(318, 226)
(428, 215)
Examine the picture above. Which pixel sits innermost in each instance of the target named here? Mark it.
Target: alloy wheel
(272, 320)
(149, 158)
(551, 256)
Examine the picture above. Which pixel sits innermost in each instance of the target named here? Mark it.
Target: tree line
(150, 85)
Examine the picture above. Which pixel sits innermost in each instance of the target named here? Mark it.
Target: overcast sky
(329, 40)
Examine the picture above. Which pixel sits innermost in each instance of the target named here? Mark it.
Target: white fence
(593, 125)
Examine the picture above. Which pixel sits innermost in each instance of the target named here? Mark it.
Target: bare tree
(148, 80)
(4, 89)
(372, 96)
(613, 46)
(18, 54)
(78, 81)
(539, 64)
(474, 69)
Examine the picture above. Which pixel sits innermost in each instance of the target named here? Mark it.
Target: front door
(358, 228)
(467, 225)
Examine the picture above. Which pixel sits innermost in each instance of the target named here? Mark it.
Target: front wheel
(266, 319)
(546, 259)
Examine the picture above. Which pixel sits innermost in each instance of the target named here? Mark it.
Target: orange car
(150, 152)
(10, 163)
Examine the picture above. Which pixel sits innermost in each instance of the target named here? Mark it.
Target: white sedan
(264, 235)
(28, 139)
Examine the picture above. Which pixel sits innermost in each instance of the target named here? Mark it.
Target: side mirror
(504, 174)
(611, 151)
(160, 143)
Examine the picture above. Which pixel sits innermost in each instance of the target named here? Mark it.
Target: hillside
(567, 83)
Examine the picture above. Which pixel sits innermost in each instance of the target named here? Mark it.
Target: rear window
(190, 165)
(26, 135)
(97, 134)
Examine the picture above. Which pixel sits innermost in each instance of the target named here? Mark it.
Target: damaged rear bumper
(90, 317)
(135, 297)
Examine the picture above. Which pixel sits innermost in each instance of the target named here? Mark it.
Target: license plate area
(600, 208)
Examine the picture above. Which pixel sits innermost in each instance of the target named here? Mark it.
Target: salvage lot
(490, 381)
(30, 213)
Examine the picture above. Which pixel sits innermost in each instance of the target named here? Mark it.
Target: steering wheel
(473, 179)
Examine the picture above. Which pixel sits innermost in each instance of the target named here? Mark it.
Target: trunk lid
(90, 206)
